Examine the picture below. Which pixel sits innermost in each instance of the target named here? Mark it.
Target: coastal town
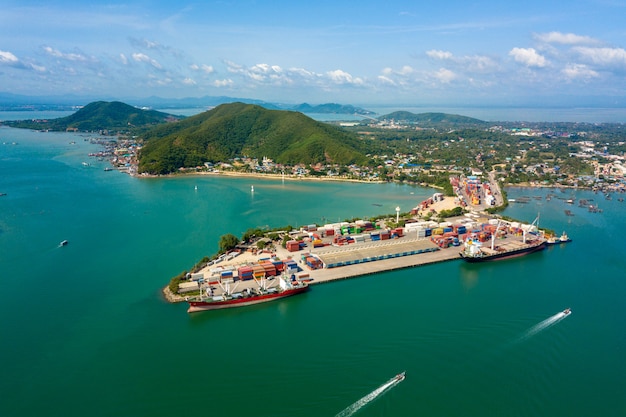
(532, 156)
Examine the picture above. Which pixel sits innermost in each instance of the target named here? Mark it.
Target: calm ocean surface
(85, 331)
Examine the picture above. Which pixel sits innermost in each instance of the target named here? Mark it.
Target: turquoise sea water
(85, 331)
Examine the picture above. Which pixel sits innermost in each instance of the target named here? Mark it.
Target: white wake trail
(369, 397)
(550, 321)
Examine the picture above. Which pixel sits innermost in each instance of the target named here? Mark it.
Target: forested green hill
(246, 130)
(431, 118)
(100, 115)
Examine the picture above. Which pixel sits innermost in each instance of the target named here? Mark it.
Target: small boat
(63, 243)
(400, 376)
(108, 169)
(553, 240)
(567, 311)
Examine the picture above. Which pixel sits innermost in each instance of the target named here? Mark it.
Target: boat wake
(371, 396)
(550, 321)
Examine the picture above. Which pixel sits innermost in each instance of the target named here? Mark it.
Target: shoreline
(272, 176)
(292, 177)
(328, 275)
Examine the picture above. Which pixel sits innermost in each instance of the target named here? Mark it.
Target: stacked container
(245, 273)
(269, 269)
(293, 246)
(258, 271)
(290, 266)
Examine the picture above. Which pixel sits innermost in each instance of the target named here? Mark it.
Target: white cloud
(565, 38)
(189, 81)
(578, 71)
(480, 63)
(444, 75)
(528, 57)
(8, 58)
(71, 56)
(123, 59)
(406, 70)
(233, 67)
(386, 80)
(38, 68)
(204, 68)
(614, 57)
(139, 57)
(223, 83)
(435, 54)
(341, 77)
(303, 73)
(474, 63)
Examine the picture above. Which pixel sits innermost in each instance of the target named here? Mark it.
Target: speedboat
(567, 311)
(64, 243)
(400, 376)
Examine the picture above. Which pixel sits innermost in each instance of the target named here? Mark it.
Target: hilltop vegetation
(432, 119)
(100, 115)
(237, 129)
(333, 108)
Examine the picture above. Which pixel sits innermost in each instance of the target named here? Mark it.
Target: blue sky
(454, 53)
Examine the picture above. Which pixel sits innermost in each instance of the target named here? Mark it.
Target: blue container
(428, 232)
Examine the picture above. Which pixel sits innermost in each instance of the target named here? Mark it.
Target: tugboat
(553, 240)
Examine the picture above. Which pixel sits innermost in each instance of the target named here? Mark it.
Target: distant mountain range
(15, 102)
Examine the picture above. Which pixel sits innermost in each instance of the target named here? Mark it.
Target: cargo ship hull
(505, 254)
(199, 305)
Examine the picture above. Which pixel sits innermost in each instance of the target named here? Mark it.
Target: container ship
(249, 296)
(475, 251)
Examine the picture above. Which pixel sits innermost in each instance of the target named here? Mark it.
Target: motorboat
(63, 243)
(567, 311)
(400, 376)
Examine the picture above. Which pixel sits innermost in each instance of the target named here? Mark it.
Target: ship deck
(505, 245)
